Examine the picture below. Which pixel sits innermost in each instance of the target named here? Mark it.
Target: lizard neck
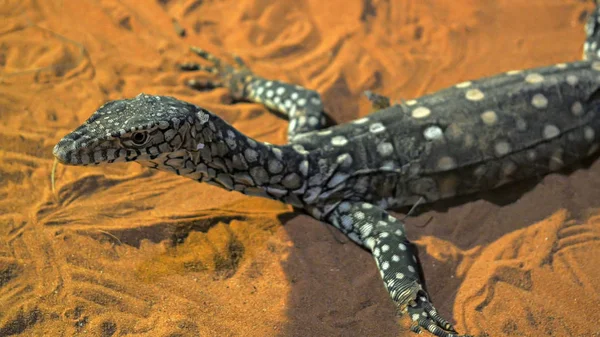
(218, 154)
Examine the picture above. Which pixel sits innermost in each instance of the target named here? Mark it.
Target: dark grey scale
(466, 126)
(303, 107)
(485, 129)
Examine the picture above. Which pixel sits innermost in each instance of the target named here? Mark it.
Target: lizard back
(473, 136)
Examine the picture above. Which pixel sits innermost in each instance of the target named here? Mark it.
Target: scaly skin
(474, 136)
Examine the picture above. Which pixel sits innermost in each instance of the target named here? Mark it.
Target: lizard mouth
(67, 152)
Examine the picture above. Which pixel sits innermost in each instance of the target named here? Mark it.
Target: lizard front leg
(302, 106)
(396, 258)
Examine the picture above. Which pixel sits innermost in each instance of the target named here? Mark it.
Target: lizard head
(139, 129)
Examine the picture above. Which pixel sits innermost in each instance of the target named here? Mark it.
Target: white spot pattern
(572, 80)
(534, 78)
(446, 163)
(433, 132)
(474, 95)
(577, 109)
(420, 112)
(361, 121)
(376, 128)
(588, 134)
(385, 149)
(539, 101)
(489, 117)
(551, 131)
(339, 141)
(502, 148)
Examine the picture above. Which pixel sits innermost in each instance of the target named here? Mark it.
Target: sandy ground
(121, 251)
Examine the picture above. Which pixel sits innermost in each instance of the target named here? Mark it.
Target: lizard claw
(203, 85)
(206, 55)
(425, 317)
(190, 66)
(240, 62)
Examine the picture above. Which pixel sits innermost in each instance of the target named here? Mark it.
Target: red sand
(124, 251)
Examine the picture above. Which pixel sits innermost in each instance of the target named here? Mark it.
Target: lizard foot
(425, 317)
(378, 102)
(234, 77)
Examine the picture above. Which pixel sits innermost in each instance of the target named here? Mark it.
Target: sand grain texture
(122, 251)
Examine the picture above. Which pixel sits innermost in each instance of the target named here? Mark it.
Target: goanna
(474, 136)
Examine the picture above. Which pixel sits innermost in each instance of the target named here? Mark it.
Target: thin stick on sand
(110, 235)
(52, 175)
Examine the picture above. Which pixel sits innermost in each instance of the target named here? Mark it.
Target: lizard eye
(139, 138)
